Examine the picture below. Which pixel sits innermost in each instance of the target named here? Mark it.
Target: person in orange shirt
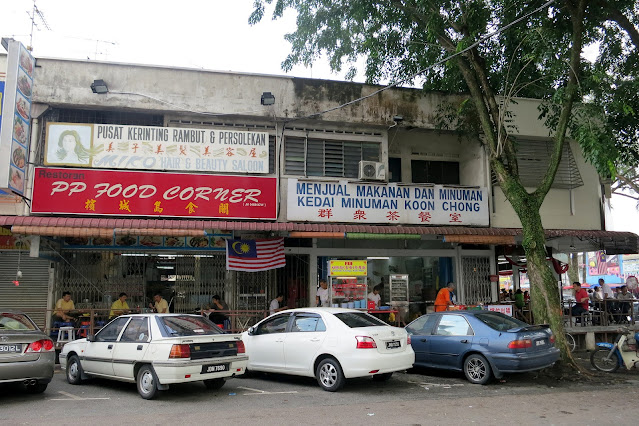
(442, 302)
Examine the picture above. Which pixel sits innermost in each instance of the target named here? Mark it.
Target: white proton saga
(155, 350)
(330, 344)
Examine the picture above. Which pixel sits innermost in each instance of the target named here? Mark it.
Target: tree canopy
(491, 51)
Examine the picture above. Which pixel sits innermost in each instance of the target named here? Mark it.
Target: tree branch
(625, 23)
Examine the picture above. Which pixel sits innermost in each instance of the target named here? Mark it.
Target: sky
(208, 34)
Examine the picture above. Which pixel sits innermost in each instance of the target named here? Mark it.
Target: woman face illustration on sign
(71, 150)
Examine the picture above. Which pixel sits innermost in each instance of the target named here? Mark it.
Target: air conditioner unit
(372, 170)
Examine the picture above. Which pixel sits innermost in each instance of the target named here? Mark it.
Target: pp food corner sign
(15, 119)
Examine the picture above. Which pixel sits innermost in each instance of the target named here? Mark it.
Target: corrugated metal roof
(611, 241)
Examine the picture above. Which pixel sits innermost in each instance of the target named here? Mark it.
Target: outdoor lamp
(267, 98)
(99, 87)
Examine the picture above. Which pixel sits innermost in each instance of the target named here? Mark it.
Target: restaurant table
(387, 311)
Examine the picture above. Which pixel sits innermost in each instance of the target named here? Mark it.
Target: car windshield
(189, 325)
(500, 322)
(14, 321)
(359, 319)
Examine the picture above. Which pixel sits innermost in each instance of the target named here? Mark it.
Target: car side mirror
(251, 331)
(90, 338)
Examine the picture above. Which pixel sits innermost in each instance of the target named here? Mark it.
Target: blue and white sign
(347, 202)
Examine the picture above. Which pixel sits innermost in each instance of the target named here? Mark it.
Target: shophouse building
(137, 184)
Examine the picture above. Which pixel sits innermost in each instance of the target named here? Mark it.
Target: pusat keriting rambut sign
(109, 146)
(16, 117)
(393, 204)
(348, 268)
(153, 194)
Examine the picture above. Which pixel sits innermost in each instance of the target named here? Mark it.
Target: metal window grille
(477, 286)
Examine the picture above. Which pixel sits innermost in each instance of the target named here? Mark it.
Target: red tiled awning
(613, 242)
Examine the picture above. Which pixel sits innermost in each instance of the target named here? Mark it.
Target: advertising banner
(124, 193)
(214, 242)
(348, 268)
(504, 309)
(386, 203)
(16, 118)
(156, 148)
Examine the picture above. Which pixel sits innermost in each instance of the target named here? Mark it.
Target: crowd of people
(608, 305)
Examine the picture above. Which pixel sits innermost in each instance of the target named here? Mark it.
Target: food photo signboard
(213, 242)
(16, 118)
(344, 202)
(109, 146)
(128, 193)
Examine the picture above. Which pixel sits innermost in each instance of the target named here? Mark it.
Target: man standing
(160, 306)
(443, 300)
(62, 308)
(322, 294)
(375, 297)
(275, 304)
(581, 300)
(119, 307)
(606, 290)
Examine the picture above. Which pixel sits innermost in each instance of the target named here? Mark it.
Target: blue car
(481, 343)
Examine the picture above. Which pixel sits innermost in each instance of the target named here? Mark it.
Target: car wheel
(147, 382)
(382, 377)
(214, 383)
(600, 360)
(477, 369)
(74, 370)
(329, 375)
(37, 387)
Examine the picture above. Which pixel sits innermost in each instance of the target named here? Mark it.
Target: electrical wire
(441, 61)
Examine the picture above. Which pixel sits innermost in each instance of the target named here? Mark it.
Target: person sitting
(119, 307)
(63, 306)
(581, 301)
(217, 304)
(160, 306)
(625, 299)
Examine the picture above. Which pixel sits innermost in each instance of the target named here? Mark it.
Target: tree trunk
(544, 288)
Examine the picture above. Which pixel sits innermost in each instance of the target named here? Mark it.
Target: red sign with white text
(123, 193)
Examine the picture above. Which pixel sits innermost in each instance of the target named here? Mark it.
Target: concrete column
(590, 340)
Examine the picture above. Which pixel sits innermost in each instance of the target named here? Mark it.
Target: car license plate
(217, 368)
(4, 349)
(393, 344)
(540, 342)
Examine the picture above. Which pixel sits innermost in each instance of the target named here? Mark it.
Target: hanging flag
(255, 255)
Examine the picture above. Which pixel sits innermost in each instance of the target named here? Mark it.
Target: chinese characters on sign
(348, 268)
(386, 203)
(504, 309)
(108, 146)
(124, 193)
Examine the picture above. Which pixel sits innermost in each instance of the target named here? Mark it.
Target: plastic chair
(65, 334)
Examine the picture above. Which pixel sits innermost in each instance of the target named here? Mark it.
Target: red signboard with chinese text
(124, 193)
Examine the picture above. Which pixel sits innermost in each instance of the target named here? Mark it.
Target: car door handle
(279, 341)
(422, 340)
(463, 341)
(315, 339)
(110, 347)
(139, 347)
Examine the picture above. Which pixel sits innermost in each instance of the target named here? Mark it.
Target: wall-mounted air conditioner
(372, 170)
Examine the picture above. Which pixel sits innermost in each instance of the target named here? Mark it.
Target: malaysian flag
(255, 255)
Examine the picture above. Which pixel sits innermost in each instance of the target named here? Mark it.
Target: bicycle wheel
(599, 359)
(572, 343)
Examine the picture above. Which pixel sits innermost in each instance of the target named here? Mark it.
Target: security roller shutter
(32, 294)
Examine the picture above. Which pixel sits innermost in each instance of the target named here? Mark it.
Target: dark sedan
(26, 354)
(481, 343)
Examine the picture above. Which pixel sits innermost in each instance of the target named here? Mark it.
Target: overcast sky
(209, 34)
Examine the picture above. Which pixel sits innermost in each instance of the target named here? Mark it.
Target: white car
(156, 350)
(330, 344)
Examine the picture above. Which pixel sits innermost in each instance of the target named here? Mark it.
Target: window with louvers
(330, 158)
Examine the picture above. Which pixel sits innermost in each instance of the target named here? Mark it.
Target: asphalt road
(421, 397)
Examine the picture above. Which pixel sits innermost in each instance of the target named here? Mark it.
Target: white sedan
(155, 350)
(330, 344)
